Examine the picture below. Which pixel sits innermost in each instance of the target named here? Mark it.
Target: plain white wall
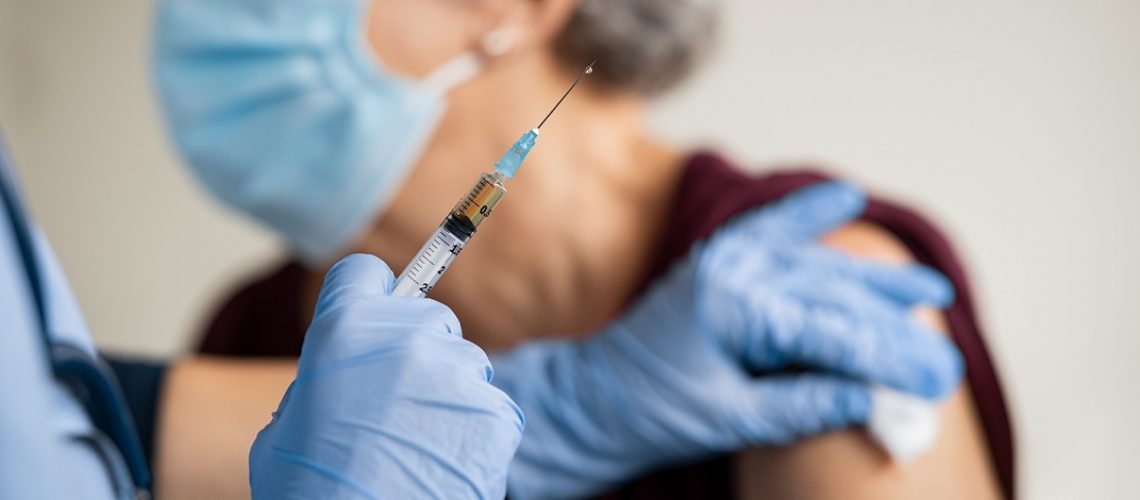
(145, 249)
(1016, 123)
(7, 54)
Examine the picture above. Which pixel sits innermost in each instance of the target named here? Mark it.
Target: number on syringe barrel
(469, 198)
(440, 252)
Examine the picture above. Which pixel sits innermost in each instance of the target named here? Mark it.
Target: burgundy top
(711, 191)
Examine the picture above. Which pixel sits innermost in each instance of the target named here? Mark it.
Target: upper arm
(846, 464)
(212, 409)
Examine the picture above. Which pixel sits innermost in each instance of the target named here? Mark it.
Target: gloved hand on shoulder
(699, 365)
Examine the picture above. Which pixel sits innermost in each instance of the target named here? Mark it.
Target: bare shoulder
(845, 464)
(869, 241)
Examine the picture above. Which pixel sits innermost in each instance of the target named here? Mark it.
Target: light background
(1016, 123)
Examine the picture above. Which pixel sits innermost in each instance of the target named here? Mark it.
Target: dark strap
(141, 382)
(95, 385)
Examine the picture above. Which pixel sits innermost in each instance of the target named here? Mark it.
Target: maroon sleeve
(261, 319)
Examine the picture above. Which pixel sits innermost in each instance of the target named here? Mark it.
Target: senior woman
(327, 122)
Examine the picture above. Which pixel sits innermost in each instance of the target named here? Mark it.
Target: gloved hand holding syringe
(475, 207)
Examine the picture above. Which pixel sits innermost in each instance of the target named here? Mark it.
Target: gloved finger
(804, 215)
(845, 290)
(284, 403)
(893, 350)
(434, 361)
(356, 274)
(355, 317)
(460, 355)
(275, 417)
(907, 284)
(414, 314)
(782, 409)
(367, 275)
(376, 329)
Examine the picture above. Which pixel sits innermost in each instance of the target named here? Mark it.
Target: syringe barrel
(476, 206)
(444, 245)
(430, 262)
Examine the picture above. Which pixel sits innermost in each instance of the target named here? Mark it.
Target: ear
(530, 22)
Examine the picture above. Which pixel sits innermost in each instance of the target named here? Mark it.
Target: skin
(210, 413)
(562, 255)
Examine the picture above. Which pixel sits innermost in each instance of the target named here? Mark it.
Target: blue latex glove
(389, 402)
(674, 379)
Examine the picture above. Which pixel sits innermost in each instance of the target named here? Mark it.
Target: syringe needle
(589, 69)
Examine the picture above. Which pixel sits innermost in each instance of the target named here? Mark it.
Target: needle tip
(589, 69)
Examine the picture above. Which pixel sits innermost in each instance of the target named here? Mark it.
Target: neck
(565, 249)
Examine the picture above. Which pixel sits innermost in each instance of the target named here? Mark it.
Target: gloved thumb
(786, 408)
(356, 274)
(352, 287)
(796, 406)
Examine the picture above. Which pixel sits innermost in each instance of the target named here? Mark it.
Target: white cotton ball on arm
(904, 426)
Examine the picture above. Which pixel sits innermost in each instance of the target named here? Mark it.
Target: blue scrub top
(49, 446)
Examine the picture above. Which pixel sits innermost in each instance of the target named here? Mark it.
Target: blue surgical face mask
(283, 112)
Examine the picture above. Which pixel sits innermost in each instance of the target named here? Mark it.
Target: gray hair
(643, 46)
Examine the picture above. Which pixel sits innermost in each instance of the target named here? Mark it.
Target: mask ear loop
(468, 65)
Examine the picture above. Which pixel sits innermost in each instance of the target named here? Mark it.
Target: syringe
(469, 213)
